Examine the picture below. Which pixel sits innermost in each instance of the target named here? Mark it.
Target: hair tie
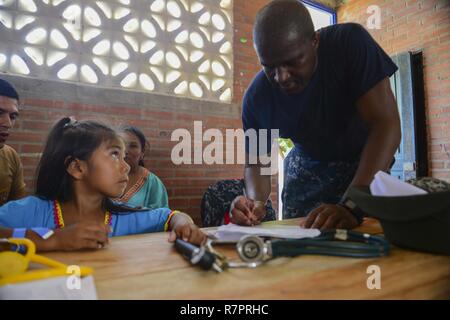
(72, 122)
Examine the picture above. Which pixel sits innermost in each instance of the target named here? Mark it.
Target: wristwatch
(353, 208)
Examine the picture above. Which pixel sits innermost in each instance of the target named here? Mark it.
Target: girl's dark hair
(138, 133)
(69, 140)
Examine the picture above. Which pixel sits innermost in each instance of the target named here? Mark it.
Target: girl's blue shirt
(32, 212)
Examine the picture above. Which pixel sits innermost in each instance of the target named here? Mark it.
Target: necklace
(59, 220)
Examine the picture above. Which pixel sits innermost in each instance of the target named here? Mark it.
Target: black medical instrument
(208, 258)
(254, 250)
(197, 255)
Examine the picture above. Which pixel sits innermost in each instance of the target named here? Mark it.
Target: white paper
(49, 289)
(234, 233)
(389, 186)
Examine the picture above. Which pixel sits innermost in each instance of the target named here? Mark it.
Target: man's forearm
(257, 186)
(378, 152)
(379, 111)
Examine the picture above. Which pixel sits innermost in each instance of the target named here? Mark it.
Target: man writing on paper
(329, 92)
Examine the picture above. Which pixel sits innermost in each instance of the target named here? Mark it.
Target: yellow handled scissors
(13, 265)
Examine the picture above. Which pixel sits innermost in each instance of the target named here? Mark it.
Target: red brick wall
(186, 183)
(406, 25)
(418, 25)
(246, 63)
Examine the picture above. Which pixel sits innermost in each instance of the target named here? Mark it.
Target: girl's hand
(83, 235)
(188, 232)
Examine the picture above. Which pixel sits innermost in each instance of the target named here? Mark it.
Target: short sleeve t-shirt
(12, 186)
(32, 212)
(323, 119)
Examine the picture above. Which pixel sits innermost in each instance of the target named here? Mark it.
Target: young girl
(144, 188)
(81, 169)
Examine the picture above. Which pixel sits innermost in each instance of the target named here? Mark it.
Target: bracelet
(172, 214)
(169, 218)
(19, 233)
(44, 233)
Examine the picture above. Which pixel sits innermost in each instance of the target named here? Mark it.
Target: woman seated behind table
(144, 188)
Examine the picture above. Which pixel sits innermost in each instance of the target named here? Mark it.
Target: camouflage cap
(430, 184)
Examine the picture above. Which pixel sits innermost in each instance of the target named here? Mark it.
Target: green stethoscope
(254, 251)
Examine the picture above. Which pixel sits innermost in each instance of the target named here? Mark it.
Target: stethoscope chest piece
(253, 249)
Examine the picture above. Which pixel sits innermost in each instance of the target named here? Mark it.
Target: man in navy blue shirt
(329, 92)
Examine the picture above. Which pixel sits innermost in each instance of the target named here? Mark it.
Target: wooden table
(148, 267)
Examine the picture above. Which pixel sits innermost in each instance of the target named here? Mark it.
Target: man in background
(12, 186)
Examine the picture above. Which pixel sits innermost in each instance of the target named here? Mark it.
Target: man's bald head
(282, 20)
(286, 44)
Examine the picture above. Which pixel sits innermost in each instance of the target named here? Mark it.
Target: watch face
(349, 203)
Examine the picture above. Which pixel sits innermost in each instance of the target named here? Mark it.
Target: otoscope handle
(195, 255)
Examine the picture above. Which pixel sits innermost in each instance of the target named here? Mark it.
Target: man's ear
(77, 169)
(316, 39)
